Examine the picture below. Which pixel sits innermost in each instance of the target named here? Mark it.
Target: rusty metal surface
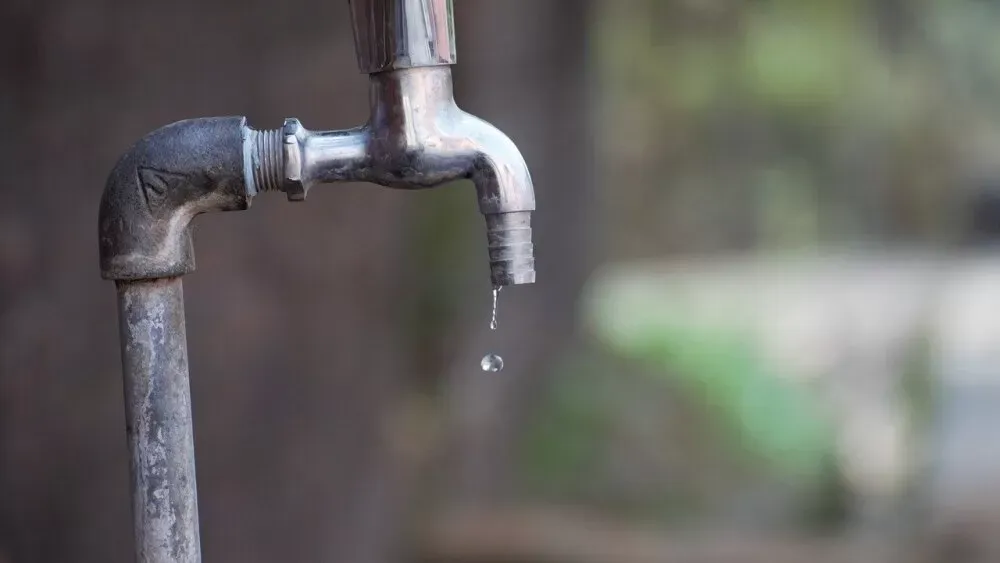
(158, 418)
(159, 185)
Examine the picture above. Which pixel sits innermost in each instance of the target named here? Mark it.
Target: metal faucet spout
(417, 137)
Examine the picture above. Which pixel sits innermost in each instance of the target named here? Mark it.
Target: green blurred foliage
(721, 369)
(867, 105)
(765, 126)
(600, 441)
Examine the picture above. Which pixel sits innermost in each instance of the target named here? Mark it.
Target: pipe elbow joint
(159, 185)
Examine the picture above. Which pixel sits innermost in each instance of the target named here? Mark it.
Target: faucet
(416, 137)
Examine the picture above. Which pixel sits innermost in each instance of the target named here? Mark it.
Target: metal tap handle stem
(397, 34)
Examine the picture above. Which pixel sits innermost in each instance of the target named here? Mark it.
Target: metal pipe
(166, 179)
(153, 193)
(396, 34)
(158, 420)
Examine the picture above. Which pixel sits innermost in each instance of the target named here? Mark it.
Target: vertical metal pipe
(158, 420)
(396, 34)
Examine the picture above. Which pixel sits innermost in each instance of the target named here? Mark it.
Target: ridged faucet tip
(512, 254)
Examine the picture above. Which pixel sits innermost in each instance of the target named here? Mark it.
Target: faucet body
(416, 137)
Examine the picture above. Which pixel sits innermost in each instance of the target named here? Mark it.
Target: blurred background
(765, 325)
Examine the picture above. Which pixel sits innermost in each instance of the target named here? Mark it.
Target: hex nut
(293, 134)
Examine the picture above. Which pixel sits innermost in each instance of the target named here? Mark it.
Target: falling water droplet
(491, 362)
(493, 318)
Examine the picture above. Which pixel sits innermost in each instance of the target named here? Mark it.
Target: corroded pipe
(152, 194)
(158, 415)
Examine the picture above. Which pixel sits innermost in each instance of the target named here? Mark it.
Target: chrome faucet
(416, 137)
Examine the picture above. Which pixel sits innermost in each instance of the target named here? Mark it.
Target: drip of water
(493, 319)
(491, 362)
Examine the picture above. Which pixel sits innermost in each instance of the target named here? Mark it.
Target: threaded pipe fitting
(267, 162)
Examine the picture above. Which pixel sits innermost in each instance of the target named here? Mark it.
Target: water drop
(493, 319)
(491, 362)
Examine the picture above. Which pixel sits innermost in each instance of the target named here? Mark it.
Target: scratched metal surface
(158, 415)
